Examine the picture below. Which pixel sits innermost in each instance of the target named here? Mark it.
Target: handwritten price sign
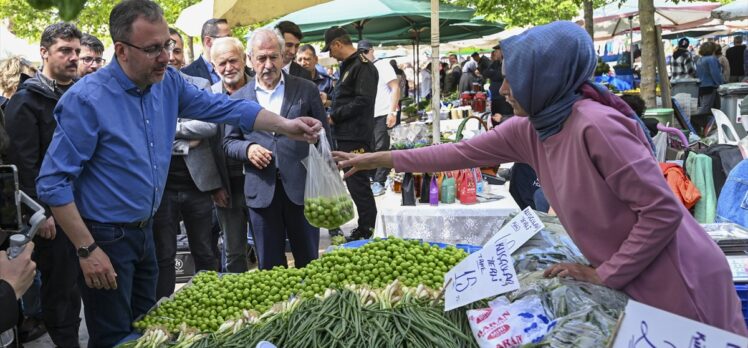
(646, 326)
(490, 271)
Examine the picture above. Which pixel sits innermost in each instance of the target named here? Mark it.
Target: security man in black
(352, 116)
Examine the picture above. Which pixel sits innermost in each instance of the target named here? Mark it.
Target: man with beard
(90, 59)
(30, 125)
(108, 161)
(229, 59)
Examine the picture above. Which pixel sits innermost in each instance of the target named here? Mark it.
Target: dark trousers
(58, 264)
(381, 143)
(110, 313)
(234, 224)
(280, 220)
(196, 209)
(359, 187)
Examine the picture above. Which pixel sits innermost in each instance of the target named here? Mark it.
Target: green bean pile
(211, 299)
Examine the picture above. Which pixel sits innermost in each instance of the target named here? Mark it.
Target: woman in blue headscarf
(597, 169)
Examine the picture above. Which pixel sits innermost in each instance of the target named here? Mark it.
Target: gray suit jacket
(301, 98)
(200, 160)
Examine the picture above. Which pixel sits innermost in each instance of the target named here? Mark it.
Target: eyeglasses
(155, 50)
(89, 60)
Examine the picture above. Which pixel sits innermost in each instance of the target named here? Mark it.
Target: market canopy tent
(390, 22)
(236, 12)
(11, 45)
(613, 20)
(735, 10)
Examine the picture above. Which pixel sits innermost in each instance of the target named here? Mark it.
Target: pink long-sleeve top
(609, 193)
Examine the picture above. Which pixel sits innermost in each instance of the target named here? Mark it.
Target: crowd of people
(124, 153)
(711, 66)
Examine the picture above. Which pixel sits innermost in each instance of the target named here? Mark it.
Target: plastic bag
(327, 203)
(506, 324)
(660, 143)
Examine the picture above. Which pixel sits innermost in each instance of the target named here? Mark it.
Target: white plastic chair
(726, 134)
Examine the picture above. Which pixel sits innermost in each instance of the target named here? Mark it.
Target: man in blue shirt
(106, 166)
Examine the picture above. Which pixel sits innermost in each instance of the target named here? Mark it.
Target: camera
(12, 199)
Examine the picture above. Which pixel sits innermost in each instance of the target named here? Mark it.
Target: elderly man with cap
(352, 116)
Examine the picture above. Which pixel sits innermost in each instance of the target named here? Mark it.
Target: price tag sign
(490, 271)
(518, 231)
(647, 326)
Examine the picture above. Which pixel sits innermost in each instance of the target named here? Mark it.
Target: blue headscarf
(546, 66)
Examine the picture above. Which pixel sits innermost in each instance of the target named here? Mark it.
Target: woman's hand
(358, 162)
(575, 271)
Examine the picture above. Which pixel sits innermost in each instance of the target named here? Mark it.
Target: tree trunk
(588, 21)
(649, 52)
(190, 50)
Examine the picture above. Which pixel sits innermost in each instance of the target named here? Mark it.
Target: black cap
(332, 34)
(498, 46)
(365, 45)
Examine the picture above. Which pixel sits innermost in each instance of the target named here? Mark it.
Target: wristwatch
(85, 251)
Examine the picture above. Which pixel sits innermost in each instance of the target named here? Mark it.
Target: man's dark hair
(475, 55)
(125, 13)
(210, 27)
(173, 31)
(93, 43)
(288, 27)
(636, 103)
(307, 47)
(61, 30)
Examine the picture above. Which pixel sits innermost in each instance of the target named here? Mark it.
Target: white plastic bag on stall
(327, 203)
(505, 324)
(660, 143)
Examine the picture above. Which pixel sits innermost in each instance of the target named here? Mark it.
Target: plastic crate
(469, 248)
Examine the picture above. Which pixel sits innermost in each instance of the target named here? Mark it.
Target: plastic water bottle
(17, 244)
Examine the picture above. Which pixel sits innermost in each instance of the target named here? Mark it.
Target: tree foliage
(519, 13)
(28, 22)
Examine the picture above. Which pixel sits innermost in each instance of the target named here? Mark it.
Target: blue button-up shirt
(111, 149)
(213, 74)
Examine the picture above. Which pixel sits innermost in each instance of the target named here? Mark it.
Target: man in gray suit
(229, 60)
(192, 180)
(275, 178)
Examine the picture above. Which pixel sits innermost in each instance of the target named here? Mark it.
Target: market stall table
(446, 223)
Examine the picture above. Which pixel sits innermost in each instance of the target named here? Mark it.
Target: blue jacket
(732, 205)
(709, 72)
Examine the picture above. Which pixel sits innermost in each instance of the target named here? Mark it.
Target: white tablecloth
(445, 223)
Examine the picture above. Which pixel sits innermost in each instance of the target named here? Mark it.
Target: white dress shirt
(271, 99)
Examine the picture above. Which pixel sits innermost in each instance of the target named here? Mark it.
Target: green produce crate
(664, 116)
